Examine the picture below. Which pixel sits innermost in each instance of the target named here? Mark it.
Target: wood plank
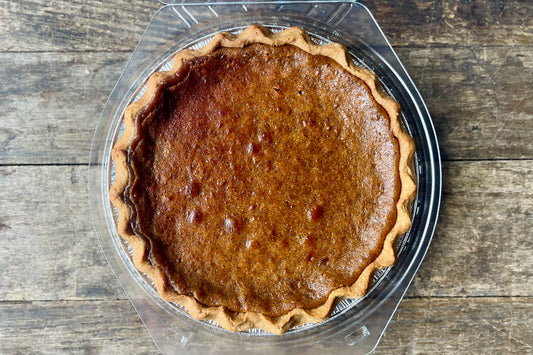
(482, 246)
(52, 103)
(87, 25)
(480, 99)
(454, 22)
(421, 326)
(64, 25)
(72, 327)
(49, 247)
(460, 326)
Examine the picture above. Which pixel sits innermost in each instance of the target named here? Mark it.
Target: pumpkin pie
(261, 179)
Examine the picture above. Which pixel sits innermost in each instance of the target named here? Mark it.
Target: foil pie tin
(355, 326)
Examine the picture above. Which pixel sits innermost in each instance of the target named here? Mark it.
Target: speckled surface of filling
(263, 178)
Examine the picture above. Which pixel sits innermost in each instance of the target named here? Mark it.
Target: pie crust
(241, 321)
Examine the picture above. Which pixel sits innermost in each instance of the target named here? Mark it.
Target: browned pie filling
(265, 178)
(261, 179)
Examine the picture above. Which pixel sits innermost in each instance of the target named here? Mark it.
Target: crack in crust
(235, 321)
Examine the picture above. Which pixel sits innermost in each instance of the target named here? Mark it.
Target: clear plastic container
(355, 326)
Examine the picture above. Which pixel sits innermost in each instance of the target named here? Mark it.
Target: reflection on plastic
(355, 337)
(179, 340)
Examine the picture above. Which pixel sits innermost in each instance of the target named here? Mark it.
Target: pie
(262, 179)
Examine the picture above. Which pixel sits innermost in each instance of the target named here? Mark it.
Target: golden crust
(235, 321)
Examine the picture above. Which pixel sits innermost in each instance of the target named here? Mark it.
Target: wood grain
(460, 326)
(480, 100)
(72, 327)
(454, 22)
(482, 245)
(420, 326)
(49, 248)
(89, 25)
(52, 104)
(472, 61)
(63, 25)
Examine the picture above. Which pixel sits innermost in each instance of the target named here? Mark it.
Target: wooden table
(473, 63)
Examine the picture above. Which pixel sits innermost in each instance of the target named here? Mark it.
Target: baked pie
(261, 179)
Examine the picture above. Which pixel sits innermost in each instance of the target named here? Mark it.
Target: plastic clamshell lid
(177, 25)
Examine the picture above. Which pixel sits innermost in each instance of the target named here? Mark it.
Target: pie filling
(261, 178)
